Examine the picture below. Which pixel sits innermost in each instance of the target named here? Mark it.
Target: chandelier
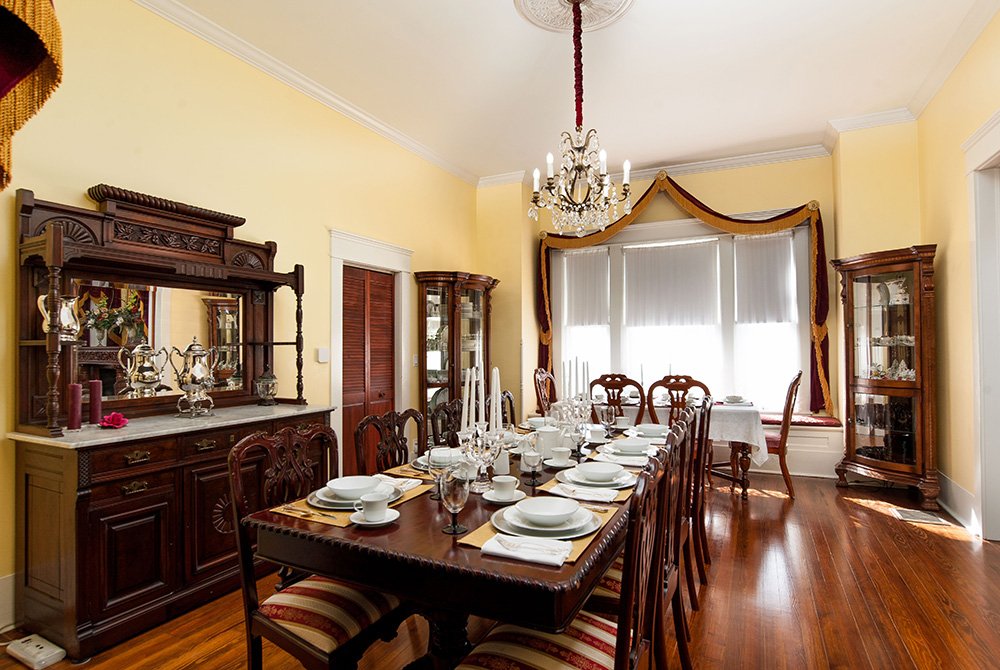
(581, 197)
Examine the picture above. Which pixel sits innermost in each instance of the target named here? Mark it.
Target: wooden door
(369, 362)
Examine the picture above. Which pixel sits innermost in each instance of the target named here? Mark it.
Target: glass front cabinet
(889, 343)
(454, 324)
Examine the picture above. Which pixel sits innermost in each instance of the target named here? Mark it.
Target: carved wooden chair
(702, 460)
(321, 622)
(507, 413)
(614, 386)
(592, 641)
(393, 447)
(545, 390)
(778, 444)
(678, 387)
(446, 421)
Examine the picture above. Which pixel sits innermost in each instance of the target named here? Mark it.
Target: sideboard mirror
(141, 271)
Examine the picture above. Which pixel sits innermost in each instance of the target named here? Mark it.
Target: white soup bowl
(547, 511)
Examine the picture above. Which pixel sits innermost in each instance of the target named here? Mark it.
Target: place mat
(485, 533)
(623, 495)
(407, 470)
(300, 509)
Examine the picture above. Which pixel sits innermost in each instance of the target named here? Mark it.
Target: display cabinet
(889, 343)
(454, 323)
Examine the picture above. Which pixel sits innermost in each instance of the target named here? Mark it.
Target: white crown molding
(746, 160)
(214, 34)
(968, 32)
(502, 179)
(835, 127)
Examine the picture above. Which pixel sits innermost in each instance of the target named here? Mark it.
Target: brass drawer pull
(134, 487)
(137, 457)
(205, 445)
(303, 426)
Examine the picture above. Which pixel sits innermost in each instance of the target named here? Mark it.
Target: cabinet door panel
(134, 551)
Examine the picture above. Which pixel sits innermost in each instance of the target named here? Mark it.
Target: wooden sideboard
(120, 530)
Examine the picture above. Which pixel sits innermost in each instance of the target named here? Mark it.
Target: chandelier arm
(578, 61)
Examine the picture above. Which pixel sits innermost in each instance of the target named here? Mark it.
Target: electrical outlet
(415, 360)
(35, 651)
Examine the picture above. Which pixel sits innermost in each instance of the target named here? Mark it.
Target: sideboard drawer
(302, 422)
(118, 461)
(218, 442)
(134, 488)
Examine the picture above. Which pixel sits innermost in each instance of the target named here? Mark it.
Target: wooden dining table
(443, 579)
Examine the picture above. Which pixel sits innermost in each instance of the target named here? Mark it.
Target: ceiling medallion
(557, 15)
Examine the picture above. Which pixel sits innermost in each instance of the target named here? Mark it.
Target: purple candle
(74, 406)
(95, 400)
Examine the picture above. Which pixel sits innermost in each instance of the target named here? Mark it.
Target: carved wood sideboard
(124, 529)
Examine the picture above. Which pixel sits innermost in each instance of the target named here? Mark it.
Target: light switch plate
(322, 355)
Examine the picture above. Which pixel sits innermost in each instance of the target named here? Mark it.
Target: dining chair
(507, 414)
(702, 460)
(686, 461)
(393, 448)
(606, 596)
(614, 386)
(321, 622)
(446, 421)
(545, 390)
(678, 388)
(591, 641)
(778, 444)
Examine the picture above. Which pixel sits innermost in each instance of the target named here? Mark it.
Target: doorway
(369, 361)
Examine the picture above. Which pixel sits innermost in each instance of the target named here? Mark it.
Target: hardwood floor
(831, 580)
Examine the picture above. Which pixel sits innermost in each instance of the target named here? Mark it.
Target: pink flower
(114, 420)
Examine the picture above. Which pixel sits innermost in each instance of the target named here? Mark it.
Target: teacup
(560, 456)
(622, 422)
(504, 487)
(595, 434)
(441, 456)
(536, 421)
(372, 506)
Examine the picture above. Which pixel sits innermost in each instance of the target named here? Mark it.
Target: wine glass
(606, 415)
(532, 459)
(454, 495)
(436, 469)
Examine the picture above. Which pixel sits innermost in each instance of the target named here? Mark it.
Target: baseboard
(6, 601)
(960, 503)
(812, 452)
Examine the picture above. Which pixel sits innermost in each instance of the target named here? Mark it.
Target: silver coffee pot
(69, 321)
(141, 369)
(196, 377)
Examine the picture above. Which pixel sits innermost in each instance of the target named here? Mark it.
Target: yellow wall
(968, 99)
(878, 189)
(147, 106)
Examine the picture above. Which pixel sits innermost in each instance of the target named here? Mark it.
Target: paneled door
(369, 345)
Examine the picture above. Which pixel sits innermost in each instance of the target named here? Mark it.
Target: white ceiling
(475, 88)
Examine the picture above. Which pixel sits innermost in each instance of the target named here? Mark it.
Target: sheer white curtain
(586, 327)
(672, 311)
(766, 337)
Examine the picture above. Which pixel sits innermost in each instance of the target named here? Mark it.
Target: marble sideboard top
(167, 424)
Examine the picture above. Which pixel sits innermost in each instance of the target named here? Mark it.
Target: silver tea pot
(141, 369)
(196, 377)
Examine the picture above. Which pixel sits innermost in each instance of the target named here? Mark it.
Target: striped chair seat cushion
(587, 644)
(610, 585)
(326, 613)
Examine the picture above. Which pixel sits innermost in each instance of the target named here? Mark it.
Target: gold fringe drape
(821, 399)
(30, 68)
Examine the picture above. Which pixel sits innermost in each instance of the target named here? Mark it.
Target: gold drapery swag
(819, 298)
(30, 68)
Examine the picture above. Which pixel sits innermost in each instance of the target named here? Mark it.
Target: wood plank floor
(831, 580)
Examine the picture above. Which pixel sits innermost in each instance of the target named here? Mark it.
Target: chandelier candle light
(582, 197)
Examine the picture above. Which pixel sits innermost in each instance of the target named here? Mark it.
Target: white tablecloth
(730, 423)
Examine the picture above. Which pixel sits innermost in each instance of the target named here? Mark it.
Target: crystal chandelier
(582, 197)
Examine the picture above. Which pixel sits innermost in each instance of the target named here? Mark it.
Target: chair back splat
(393, 448)
(614, 386)
(446, 421)
(507, 413)
(678, 387)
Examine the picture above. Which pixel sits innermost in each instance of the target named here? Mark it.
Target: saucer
(390, 516)
(518, 495)
(552, 464)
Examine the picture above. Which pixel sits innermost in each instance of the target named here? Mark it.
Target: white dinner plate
(623, 481)
(358, 518)
(326, 495)
(615, 451)
(578, 520)
(317, 501)
(420, 463)
(504, 526)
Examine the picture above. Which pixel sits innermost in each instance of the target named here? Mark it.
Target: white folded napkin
(630, 461)
(404, 484)
(591, 493)
(530, 549)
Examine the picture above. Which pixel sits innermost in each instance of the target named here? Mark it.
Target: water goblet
(532, 459)
(606, 415)
(454, 495)
(436, 469)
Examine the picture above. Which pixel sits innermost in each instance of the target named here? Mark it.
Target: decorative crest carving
(103, 192)
(248, 259)
(130, 232)
(72, 230)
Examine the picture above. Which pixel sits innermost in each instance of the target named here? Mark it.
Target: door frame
(982, 163)
(358, 251)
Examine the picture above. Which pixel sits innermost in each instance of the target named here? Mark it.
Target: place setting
(360, 499)
(597, 475)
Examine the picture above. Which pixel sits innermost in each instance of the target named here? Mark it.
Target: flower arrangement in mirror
(126, 319)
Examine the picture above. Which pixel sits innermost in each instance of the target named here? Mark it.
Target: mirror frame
(138, 239)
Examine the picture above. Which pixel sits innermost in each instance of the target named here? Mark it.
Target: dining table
(443, 578)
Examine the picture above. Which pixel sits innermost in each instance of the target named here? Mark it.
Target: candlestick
(96, 390)
(74, 401)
